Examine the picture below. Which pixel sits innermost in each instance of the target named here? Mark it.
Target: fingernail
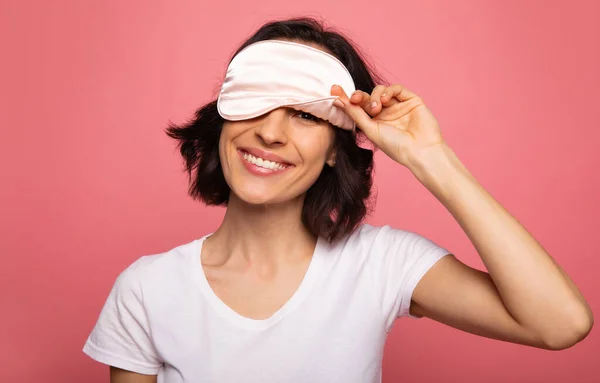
(384, 94)
(338, 103)
(373, 104)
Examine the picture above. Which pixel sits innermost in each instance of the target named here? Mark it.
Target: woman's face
(275, 157)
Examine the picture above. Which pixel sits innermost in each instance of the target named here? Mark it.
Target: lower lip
(260, 171)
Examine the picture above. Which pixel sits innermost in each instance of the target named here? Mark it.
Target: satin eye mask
(270, 74)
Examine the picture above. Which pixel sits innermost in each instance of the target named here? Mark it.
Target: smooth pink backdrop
(90, 182)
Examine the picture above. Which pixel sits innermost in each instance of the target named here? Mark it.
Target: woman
(292, 287)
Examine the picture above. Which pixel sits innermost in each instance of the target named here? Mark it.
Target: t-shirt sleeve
(121, 336)
(402, 259)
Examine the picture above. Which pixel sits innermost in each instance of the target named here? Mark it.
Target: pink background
(90, 181)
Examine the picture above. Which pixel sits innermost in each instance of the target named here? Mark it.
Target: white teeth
(263, 163)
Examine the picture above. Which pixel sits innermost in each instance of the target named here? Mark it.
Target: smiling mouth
(262, 163)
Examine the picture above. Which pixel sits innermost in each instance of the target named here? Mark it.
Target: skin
(257, 258)
(118, 375)
(525, 297)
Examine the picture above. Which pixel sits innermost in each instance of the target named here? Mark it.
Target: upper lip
(265, 155)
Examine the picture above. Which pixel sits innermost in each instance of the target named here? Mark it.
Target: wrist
(438, 168)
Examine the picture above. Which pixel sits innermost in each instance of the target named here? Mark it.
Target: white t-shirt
(162, 317)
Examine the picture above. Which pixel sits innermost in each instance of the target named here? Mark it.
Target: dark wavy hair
(339, 199)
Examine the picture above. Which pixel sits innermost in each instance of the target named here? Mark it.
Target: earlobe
(331, 157)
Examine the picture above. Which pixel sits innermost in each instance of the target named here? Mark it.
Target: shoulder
(363, 243)
(381, 242)
(158, 268)
(370, 235)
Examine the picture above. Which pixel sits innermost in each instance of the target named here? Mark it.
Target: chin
(261, 196)
(254, 198)
(259, 199)
(254, 194)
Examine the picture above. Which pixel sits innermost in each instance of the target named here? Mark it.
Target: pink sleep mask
(270, 74)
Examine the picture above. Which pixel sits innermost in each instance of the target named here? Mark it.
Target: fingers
(361, 106)
(362, 99)
(381, 97)
(379, 93)
(374, 106)
(399, 92)
(371, 103)
(355, 111)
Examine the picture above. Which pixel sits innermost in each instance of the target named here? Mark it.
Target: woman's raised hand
(395, 119)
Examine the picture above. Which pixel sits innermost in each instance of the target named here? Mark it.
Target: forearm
(535, 290)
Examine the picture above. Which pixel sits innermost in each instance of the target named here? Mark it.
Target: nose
(272, 129)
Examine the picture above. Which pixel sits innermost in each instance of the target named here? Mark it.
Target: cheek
(224, 148)
(315, 145)
(229, 132)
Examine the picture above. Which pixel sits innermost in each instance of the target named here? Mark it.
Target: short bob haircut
(339, 199)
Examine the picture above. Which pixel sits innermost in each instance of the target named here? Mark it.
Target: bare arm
(526, 297)
(118, 375)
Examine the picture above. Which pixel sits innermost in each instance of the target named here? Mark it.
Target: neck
(263, 234)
